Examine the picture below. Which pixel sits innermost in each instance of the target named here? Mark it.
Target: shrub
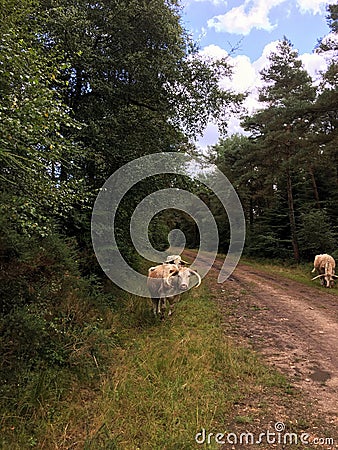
(316, 234)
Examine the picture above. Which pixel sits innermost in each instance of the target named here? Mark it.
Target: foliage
(316, 233)
(50, 317)
(84, 91)
(285, 168)
(85, 88)
(133, 77)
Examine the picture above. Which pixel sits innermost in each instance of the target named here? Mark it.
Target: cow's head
(169, 270)
(183, 275)
(327, 279)
(163, 272)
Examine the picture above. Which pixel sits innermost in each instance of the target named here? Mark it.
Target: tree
(236, 158)
(278, 128)
(33, 126)
(135, 80)
(316, 234)
(325, 118)
(132, 79)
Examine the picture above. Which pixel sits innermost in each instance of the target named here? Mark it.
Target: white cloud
(262, 61)
(246, 78)
(213, 2)
(312, 6)
(243, 76)
(314, 63)
(214, 52)
(242, 19)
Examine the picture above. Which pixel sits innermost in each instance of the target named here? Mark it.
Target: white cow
(325, 266)
(166, 282)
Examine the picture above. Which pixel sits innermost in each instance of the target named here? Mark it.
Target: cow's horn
(171, 275)
(318, 276)
(198, 277)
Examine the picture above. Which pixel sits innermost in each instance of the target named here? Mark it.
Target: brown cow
(166, 282)
(325, 266)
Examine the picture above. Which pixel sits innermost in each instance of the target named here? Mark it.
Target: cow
(165, 283)
(325, 266)
(175, 259)
(158, 284)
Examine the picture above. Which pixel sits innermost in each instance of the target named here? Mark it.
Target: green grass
(172, 379)
(158, 384)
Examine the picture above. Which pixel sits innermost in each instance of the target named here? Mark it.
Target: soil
(294, 327)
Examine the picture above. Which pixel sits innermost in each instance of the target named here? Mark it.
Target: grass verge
(155, 385)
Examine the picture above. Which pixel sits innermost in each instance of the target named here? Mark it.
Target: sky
(248, 31)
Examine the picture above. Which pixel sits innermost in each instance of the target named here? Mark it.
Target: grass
(174, 378)
(155, 385)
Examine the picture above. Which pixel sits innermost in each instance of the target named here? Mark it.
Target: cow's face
(329, 282)
(169, 271)
(183, 279)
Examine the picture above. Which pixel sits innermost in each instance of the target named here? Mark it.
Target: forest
(87, 87)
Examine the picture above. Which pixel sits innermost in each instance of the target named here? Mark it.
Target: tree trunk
(63, 173)
(292, 218)
(251, 213)
(314, 186)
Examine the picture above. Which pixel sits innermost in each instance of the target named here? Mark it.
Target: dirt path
(294, 326)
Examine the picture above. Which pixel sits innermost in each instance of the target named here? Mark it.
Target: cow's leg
(328, 281)
(172, 301)
(163, 305)
(155, 302)
(171, 306)
(160, 307)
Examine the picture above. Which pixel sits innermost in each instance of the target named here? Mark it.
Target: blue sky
(255, 23)
(254, 28)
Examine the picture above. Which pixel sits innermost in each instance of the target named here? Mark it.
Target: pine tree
(278, 129)
(325, 114)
